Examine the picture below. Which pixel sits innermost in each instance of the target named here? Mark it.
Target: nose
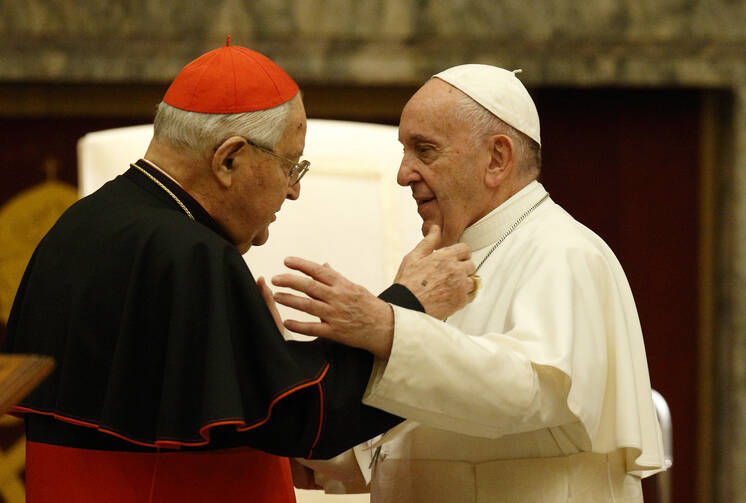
(407, 174)
(293, 192)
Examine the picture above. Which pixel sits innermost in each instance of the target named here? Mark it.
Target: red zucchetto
(230, 80)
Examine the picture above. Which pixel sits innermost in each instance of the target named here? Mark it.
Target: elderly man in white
(539, 389)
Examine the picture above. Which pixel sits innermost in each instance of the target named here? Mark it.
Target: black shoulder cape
(162, 339)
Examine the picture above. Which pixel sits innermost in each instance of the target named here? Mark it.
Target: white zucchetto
(499, 91)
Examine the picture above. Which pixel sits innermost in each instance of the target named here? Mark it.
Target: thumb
(264, 288)
(428, 244)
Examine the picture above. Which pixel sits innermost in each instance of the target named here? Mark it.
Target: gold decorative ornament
(173, 196)
(24, 220)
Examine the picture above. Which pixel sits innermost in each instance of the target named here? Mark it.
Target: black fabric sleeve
(345, 420)
(401, 296)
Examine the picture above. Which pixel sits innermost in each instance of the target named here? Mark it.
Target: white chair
(351, 213)
(664, 418)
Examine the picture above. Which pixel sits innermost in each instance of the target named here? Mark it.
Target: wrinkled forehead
(436, 95)
(298, 123)
(295, 128)
(433, 110)
(297, 116)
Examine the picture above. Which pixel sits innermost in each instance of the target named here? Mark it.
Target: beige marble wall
(698, 43)
(731, 317)
(637, 41)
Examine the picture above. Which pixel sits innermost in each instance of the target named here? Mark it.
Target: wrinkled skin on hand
(348, 313)
(351, 315)
(438, 278)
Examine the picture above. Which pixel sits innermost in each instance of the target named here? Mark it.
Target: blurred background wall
(643, 108)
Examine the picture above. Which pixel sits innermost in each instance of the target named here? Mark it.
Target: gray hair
(485, 123)
(199, 133)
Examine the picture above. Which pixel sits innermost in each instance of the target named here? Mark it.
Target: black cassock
(162, 338)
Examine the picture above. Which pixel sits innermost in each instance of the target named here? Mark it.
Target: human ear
(222, 164)
(502, 153)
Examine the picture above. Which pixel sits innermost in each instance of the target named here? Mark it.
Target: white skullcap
(500, 92)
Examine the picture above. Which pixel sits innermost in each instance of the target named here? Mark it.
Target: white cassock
(536, 391)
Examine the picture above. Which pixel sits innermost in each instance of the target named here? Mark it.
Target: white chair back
(351, 213)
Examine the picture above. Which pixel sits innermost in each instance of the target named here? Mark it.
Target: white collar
(490, 227)
(156, 167)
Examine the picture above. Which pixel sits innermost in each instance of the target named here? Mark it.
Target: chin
(260, 238)
(257, 240)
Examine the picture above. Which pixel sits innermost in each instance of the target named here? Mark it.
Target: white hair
(485, 123)
(199, 133)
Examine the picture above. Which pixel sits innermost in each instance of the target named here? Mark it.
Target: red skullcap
(230, 80)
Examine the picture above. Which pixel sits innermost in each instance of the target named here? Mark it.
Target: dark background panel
(626, 164)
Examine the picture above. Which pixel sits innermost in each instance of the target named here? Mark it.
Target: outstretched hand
(439, 278)
(347, 312)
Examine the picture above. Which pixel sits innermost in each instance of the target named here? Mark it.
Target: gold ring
(477, 280)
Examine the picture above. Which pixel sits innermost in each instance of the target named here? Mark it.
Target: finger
(462, 251)
(303, 284)
(475, 283)
(265, 290)
(472, 286)
(311, 306)
(314, 329)
(470, 267)
(428, 244)
(269, 299)
(323, 273)
(470, 297)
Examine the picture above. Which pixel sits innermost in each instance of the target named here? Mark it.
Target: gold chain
(157, 182)
(505, 235)
(511, 229)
